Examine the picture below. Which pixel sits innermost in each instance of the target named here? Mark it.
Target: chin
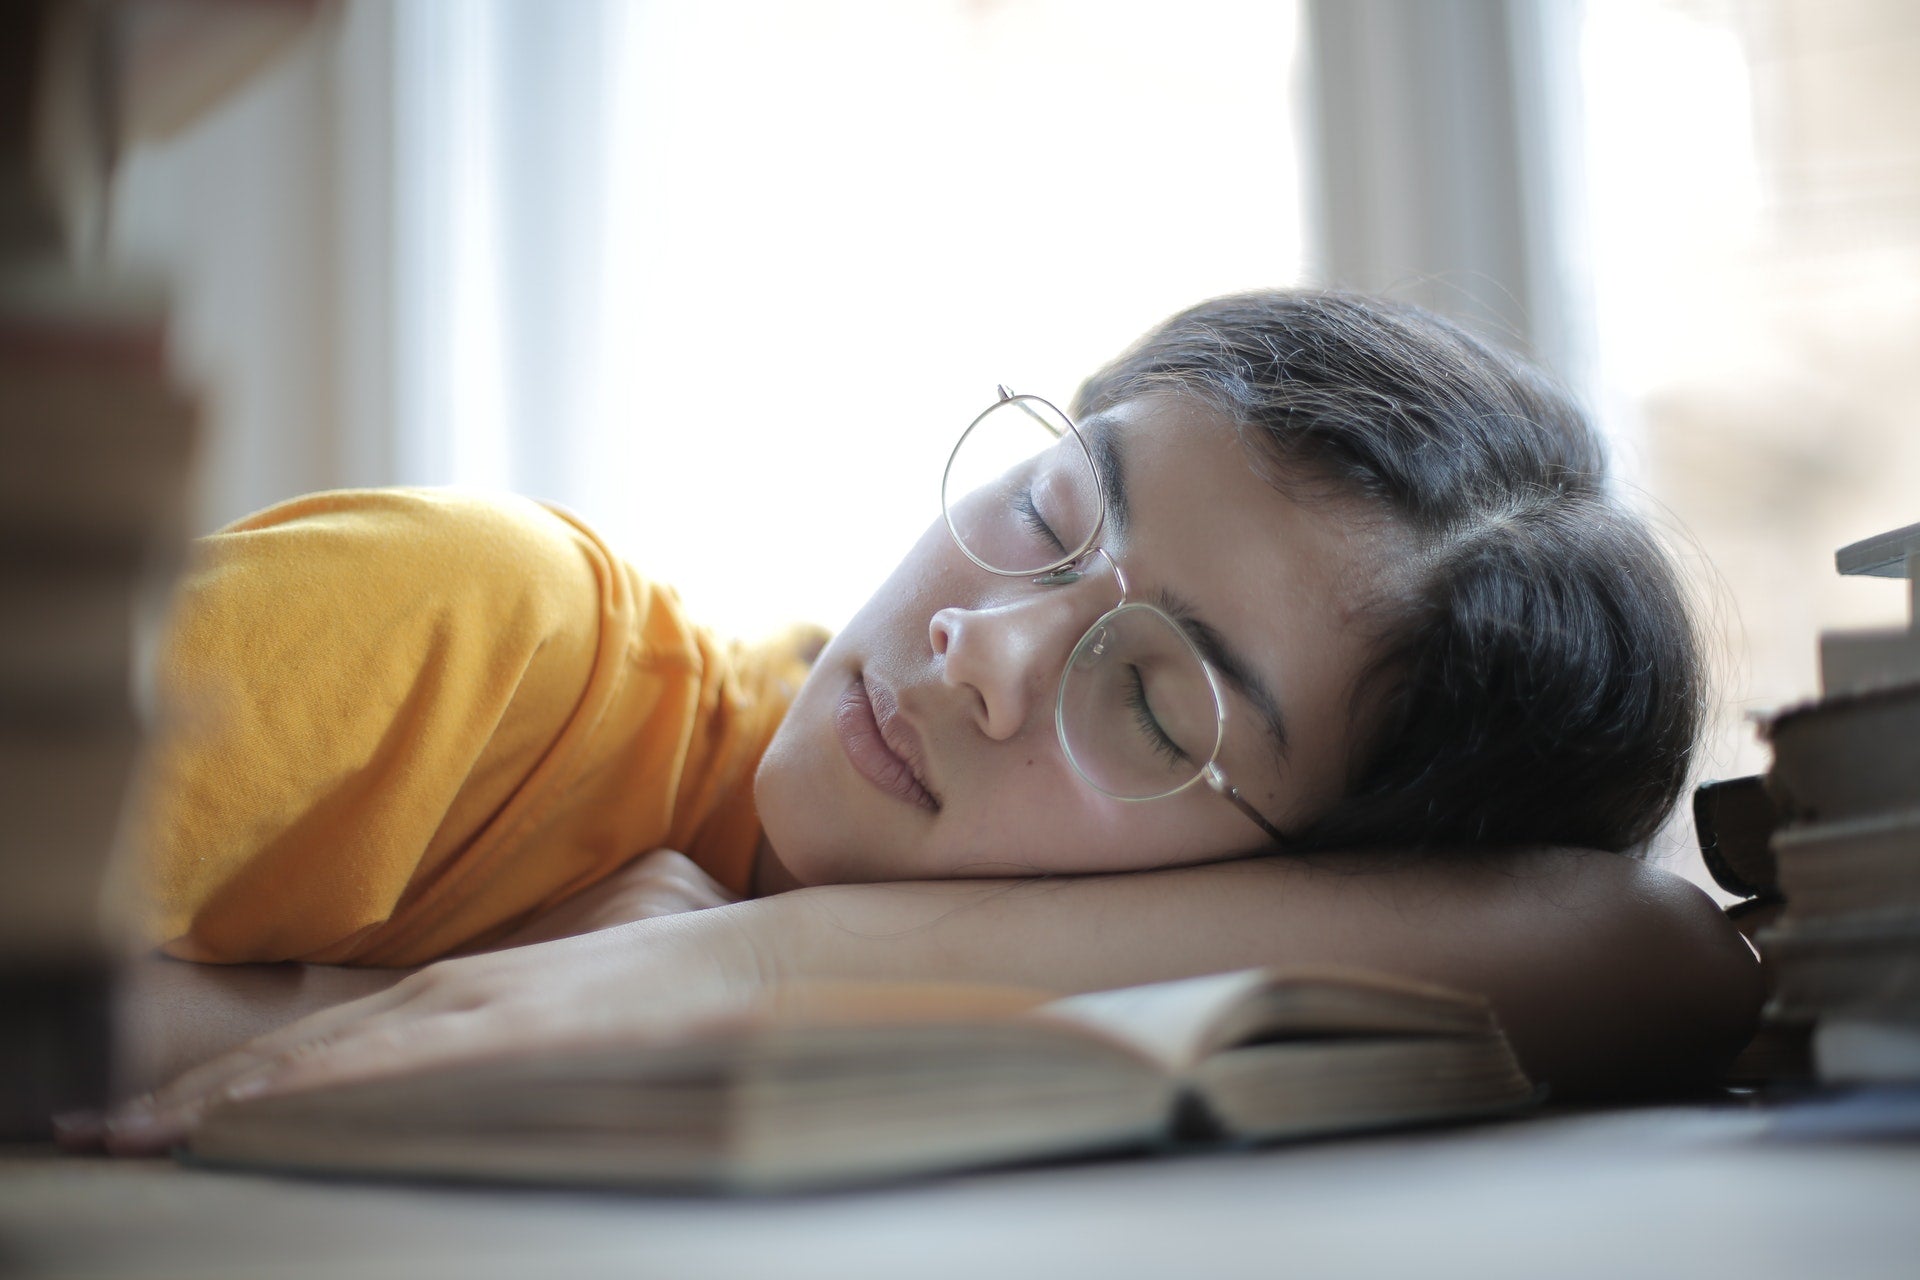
(774, 793)
(795, 808)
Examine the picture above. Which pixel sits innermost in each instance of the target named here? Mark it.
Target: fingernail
(78, 1128)
(150, 1130)
(133, 1129)
(248, 1087)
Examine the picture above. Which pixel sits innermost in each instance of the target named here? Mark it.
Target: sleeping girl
(1309, 632)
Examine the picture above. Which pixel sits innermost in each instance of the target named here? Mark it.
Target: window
(1755, 180)
(729, 278)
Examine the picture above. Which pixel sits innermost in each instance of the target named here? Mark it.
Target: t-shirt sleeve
(355, 686)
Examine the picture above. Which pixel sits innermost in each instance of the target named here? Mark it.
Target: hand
(649, 978)
(664, 883)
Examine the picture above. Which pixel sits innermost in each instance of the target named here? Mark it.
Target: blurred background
(728, 276)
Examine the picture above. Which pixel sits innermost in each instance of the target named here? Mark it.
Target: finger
(392, 1047)
(207, 1076)
(80, 1130)
(389, 1044)
(149, 1123)
(148, 1132)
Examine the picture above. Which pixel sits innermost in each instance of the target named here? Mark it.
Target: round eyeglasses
(1139, 710)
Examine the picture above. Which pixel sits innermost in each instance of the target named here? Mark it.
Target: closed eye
(1144, 717)
(1031, 517)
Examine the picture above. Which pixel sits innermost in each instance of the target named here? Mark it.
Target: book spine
(1844, 951)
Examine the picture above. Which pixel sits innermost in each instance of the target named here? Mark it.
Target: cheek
(896, 616)
(930, 559)
(1045, 822)
(780, 787)
(800, 790)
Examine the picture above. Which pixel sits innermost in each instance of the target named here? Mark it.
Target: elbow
(1718, 1001)
(1679, 995)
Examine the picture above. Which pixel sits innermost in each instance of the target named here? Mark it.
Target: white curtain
(728, 279)
(501, 119)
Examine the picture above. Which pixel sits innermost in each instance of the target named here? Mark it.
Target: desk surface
(1699, 1192)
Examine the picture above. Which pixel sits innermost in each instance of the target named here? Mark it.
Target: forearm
(1606, 973)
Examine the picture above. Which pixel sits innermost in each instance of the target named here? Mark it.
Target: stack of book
(1844, 950)
(97, 443)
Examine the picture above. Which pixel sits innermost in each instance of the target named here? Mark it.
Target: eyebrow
(1098, 433)
(1224, 658)
(1239, 673)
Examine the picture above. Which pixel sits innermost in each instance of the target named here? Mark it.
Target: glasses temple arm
(1217, 779)
(1280, 842)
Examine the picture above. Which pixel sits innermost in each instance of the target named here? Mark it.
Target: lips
(879, 745)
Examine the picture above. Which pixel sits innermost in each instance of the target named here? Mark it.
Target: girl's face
(957, 669)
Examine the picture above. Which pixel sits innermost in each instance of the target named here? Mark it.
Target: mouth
(879, 745)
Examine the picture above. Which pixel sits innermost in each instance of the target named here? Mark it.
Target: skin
(974, 660)
(1609, 975)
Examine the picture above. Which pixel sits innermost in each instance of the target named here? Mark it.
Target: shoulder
(491, 547)
(399, 520)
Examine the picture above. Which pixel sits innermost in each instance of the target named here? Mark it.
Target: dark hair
(1539, 681)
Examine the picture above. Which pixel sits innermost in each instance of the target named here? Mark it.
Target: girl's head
(1434, 626)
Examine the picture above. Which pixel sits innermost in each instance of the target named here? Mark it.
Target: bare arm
(1609, 975)
(174, 1015)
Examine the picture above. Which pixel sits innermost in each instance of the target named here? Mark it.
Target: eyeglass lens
(1136, 711)
(1020, 492)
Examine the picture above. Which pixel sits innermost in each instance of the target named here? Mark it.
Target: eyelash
(1031, 517)
(1137, 695)
(1143, 716)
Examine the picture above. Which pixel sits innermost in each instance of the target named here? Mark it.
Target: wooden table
(1697, 1192)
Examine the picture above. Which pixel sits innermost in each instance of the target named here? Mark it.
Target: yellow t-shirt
(399, 722)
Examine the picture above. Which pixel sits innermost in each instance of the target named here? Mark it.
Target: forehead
(1286, 581)
(1196, 484)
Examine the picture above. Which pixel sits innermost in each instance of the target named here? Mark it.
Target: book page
(1178, 1023)
(1171, 1022)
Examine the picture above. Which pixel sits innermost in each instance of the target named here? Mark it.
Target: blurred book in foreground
(839, 1085)
(99, 444)
(96, 449)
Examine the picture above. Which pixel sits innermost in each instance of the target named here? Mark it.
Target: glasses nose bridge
(1084, 567)
(1083, 584)
(1058, 612)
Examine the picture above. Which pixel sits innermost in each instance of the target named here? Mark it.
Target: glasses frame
(1070, 568)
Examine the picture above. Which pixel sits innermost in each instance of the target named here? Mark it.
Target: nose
(1009, 653)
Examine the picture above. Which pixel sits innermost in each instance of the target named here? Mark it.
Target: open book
(840, 1085)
